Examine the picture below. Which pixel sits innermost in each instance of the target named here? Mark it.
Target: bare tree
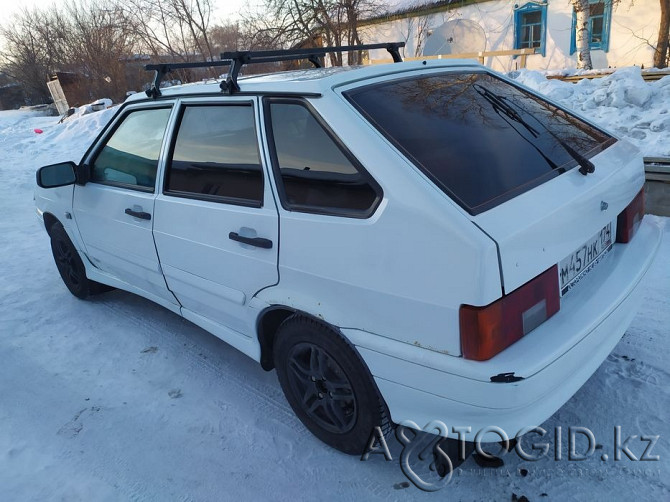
(96, 40)
(90, 38)
(662, 51)
(225, 37)
(422, 33)
(175, 28)
(414, 32)
(301, 22)
(582, 35)
(26, 58)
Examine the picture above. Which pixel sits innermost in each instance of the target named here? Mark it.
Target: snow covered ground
(622, 102)
(118, 399)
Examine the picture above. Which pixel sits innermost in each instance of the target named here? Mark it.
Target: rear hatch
(545, 185)
(569, 221)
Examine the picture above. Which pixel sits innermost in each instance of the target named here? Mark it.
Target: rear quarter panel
(402, 273)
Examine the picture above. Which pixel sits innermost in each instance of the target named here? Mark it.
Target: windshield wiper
(500, 104)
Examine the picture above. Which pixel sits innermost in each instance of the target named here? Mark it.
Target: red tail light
(486, 331)
(629, 219)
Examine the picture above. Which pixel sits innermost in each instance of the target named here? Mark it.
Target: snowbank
(622, 102)
(95, 106)
(59, 142)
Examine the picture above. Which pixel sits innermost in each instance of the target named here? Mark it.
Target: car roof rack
(163, 69)
(236, 59)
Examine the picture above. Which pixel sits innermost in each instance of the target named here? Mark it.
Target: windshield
(480, 139)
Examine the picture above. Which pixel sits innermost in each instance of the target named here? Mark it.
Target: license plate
(574, 267)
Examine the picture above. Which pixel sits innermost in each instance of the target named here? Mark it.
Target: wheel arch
(49, 221)
(268, 323)
(266, 327)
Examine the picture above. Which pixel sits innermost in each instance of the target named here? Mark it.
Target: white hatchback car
(406, 242)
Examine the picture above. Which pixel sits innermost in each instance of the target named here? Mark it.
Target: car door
(216, 222)
(114, 210)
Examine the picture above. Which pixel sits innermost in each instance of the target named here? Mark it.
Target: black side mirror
(57, 175)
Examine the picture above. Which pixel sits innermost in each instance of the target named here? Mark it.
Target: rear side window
(481, 140)
(216, 156)
(130, 156)
(315, 173)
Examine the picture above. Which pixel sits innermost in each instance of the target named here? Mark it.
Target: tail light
(486, 331)
(629, 219)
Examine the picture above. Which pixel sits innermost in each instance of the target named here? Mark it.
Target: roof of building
(399, 9)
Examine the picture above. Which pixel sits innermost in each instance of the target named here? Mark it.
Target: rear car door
(216, 222)
(114, 210)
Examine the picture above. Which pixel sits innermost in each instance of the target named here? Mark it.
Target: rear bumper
(555, 360)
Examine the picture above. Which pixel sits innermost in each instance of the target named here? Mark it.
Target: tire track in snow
(119, 472)
(267, 400)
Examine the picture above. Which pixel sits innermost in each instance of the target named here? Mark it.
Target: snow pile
(73, 137)
(60, 142)
(95, 106)
(23, 148)
(622, 102)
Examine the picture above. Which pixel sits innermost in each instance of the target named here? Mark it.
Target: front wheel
(328, 385)
(70, 266)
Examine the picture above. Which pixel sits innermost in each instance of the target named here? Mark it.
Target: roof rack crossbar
(240, 58)
(163, 69)
(391, 47)
(236, 59)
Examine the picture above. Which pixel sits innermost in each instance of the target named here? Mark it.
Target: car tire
(328, 385)
(70, 266)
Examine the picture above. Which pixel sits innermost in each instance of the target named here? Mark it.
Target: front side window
(316, 174)
(530, 23)
(478, 138)
(215, 155)
(600, 13)
(130, 156)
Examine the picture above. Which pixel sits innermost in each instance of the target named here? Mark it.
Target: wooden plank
(657, 177)
(647, 76)
(657, 160)
(657, 168)
(58, 96)
(522, 61)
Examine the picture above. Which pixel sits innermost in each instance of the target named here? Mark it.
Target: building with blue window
(621, 33)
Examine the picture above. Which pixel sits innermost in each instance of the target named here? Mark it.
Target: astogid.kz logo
(429, 456)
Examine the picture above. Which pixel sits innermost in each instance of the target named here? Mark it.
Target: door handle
(259, 242)
(138, 214)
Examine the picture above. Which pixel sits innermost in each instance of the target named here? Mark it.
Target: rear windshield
(481, 140)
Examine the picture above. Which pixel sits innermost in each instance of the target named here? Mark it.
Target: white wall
(634, 26)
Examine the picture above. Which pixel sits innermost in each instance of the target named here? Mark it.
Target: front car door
(216, 222)
(114, 211)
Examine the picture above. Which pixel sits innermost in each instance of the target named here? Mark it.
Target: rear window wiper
(501, 104)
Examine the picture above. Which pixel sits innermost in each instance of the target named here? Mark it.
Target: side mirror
(57, 175)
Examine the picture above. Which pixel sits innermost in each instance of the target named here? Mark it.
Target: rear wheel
(328, 385)
(70, 266)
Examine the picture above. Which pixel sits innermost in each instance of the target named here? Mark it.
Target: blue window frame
(599, 26)
(530, 26)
